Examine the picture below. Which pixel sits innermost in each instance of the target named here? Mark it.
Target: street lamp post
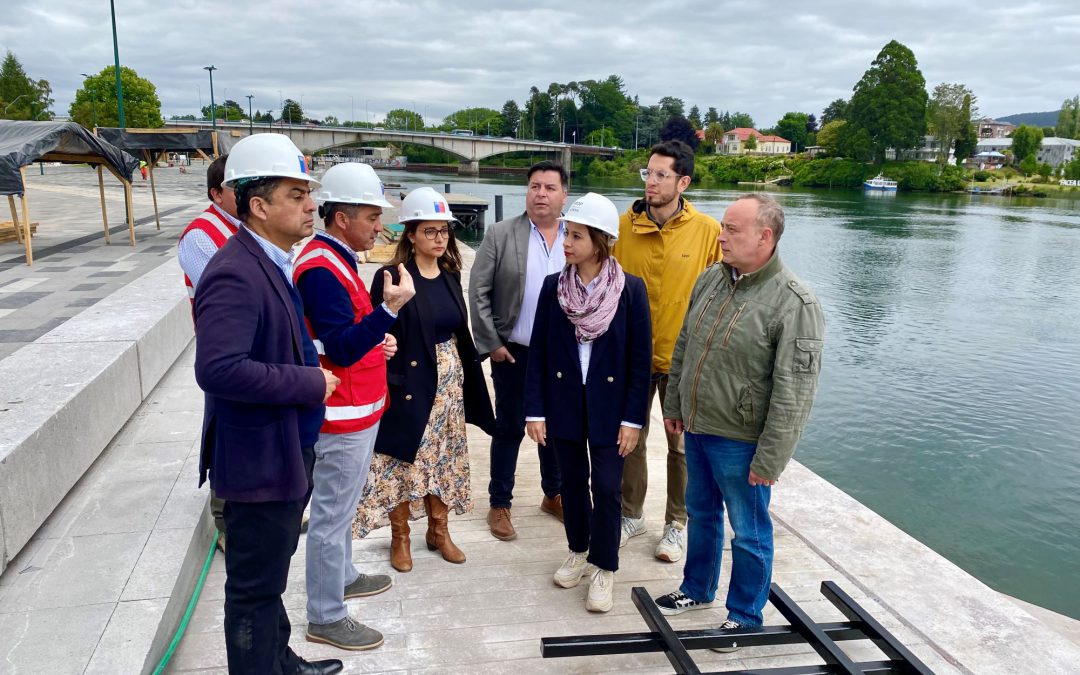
(251, 122)
(93, 97)
(352, 117)
(116, 60)
(8, 107)
(213, 108)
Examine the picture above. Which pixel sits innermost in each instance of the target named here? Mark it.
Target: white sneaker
(601, 591)
(631, 527)
(673, 543)
(571, 571)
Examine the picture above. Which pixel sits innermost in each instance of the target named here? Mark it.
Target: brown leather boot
(438, 534)
(400, 546)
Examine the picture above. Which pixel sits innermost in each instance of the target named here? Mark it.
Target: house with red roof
(734, 143)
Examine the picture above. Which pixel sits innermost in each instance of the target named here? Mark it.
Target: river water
(949, 392)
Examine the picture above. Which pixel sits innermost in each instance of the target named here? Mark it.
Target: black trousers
(262, 540)
(592, 524)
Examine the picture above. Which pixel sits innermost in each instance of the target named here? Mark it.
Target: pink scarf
(591, 313)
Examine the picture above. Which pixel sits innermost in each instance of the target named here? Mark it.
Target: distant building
(1054, 151)
(734, 143)
(928, 151)
(991, 128)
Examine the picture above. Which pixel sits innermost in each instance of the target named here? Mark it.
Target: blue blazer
(249, 361)
(617, 389)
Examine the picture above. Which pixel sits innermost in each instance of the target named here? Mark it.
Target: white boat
(880, 182)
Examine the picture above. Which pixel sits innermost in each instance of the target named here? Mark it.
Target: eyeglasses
(431, 233)
(660, 176)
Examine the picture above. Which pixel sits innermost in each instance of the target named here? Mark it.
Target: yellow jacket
(669, 259)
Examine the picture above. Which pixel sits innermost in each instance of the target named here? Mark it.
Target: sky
(360, 59)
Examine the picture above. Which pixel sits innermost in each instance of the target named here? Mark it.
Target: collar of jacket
(767, 271)
(643, 224)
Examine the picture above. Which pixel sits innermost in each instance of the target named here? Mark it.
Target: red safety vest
(217, 228)
(359, 401)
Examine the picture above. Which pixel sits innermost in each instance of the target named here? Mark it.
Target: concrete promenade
(101, 584)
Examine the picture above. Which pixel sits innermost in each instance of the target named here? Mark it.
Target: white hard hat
(266, 156)
(351, 183)
(595, 211)
(425, 204)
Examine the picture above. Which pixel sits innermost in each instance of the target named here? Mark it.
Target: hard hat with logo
(351, 183)
(595, 211)
(425, 204)
(266, 156)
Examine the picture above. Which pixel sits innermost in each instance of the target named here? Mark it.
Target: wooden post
(150, 161)
(14, 218)
(104, 212)
(26, 221)
(130, 211)
(213, 140)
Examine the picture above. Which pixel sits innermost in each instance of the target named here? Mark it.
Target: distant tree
(402, 118)
(947, 117)
(811, 124)
(227, 110)
(603, 137)
(854, 142)
(539, 116)
(291, 112)
(142, 108)
(259, 116)
(1045, 170)
(889, 102)
(679, 129)
(792, 126)
(22, 98)
(751, 142)
(1068, 122)
(509, 119)
(1071, 171)
(331, 120)
(714, 134)
(739, 119)
(477, 120)
(183, 117)
(1026, 142)
(829, 136)
(711, 117)
(968, 139)
(837, 110)
(1029, 165)
(695, 117)
(605, 104)
(672, 107)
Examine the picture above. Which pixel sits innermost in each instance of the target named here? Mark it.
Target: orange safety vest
(360, 399)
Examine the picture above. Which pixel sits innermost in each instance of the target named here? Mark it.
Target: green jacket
(747, 359)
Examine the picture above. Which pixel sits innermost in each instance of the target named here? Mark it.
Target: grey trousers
(341, 468)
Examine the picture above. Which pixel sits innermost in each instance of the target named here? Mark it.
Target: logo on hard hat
(440, 207)
(303, 164)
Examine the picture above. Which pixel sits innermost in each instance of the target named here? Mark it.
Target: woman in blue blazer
(587, 388)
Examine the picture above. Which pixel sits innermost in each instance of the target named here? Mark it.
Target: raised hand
(396, 295)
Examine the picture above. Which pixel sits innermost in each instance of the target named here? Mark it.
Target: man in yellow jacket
(667, 242)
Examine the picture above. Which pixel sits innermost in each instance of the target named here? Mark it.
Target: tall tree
(679, 129)
(402, 118)
(947, 119)
(739, 119)
(711, 116)
(811, 124)
(1068, 122)
(22, 98)
(889, 102)
(792, 126)
(672, 107)
(751, 142)
(510, 118)
(1026, 141)
(480, 121)
(291, 112)
(829, 136)
(837, 110)
(605, 105)
(714, 134)
(968, 139)
(695, 116)
(540, 116)
(229, 110)
(142, 108)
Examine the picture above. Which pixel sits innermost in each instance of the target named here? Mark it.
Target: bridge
(470, 150)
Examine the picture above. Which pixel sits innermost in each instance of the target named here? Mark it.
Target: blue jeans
(718, 471)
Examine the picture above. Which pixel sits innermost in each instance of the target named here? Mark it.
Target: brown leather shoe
(400, 546)
(553, 506)
(438, 532)
(499, 522)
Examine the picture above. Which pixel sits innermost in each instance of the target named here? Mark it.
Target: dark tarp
(157, 141)
(23, 143)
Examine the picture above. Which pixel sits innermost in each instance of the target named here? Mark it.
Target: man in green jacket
(742, 381)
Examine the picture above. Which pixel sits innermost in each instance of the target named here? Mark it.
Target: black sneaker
(729, 624)
(678, 602)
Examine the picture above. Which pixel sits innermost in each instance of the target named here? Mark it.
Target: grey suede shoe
(345, 634)
(368, 584)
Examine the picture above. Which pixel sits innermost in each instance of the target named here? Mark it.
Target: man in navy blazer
(264, 398)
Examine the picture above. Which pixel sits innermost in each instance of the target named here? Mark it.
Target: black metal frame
(823, 637)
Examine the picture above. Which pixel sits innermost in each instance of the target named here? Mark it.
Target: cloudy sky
(437, 57)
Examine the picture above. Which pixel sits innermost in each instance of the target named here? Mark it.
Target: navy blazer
(412, 373)
(249, 359)
(617, 388)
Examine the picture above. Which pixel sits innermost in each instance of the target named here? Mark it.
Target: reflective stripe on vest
(334, 260)
(341, 413)
(212, 218)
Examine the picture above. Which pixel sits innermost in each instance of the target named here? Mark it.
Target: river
(949, 392)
